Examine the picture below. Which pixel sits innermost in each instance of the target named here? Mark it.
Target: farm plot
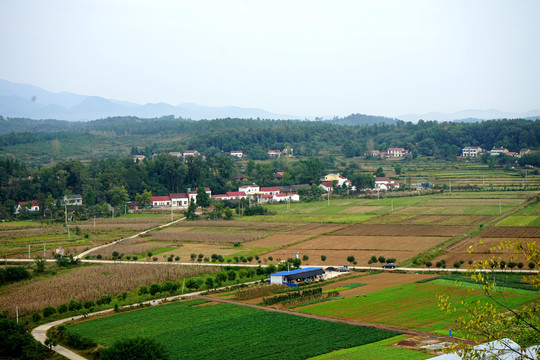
(294, 236)
(511, 232)
(89, 283)
(402, 230)
(172, 235)
(412, 305)
(371, 243)
(429, 219)
(225, 331)
(487, 249)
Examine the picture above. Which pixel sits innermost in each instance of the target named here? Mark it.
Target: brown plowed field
(315, 229)
(276, 240)
(402, 230)
(511, 232)
(481, 251)
(407, 243)
(339, 257)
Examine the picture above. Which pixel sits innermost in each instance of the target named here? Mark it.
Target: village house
(385, 183)
(31, 206)
(274, 153)
(327, 186)
(526, 152)
(339, 179)
(471, 151)
(179, 200)
(271, 190)
(278, 175)
(396, 152)
(239, 177)
(158, 201)
(373, 153)
(138, 158)
(193, 194)
(175, 154)
(236, 195)
(249, 189)
(293, 189)
(191, 153)
(498, 151)
(237, 153)
(72, 200)
(287, 151)
(286, 197)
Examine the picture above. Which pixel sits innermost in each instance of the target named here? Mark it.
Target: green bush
(155, 288)
(74, 305)
(103, 300)
(135, 348)
(79, 342)
(48, 311)
(62, 308)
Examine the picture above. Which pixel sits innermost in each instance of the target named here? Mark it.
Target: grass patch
(344, 287)
(225, 331)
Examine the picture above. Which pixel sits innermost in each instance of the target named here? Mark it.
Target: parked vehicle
(389, 266)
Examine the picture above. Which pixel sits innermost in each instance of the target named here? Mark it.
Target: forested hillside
(45, 142)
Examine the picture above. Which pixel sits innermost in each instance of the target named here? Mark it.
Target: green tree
(40, 264)
(380, 172)
(144, 199)
(203, 200)
(397, 169)
(190, 213)
(118, 195)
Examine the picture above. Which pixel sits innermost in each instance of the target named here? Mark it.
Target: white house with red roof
(339, 179)
(274, 153)
(269, 190)
(193, 194)
(237, 153)
(496, 151)
(471, 151)
(250, 189)
(385, 183)
(327, 186)
(179, 200)
(158, 201)
(236, 195)
(396, 152)
(31, 206)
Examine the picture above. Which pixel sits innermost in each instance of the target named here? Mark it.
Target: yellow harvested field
(316, 229)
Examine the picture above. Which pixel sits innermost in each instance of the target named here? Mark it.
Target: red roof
(281, 195)
(236, 193)
(270, 188)
(33, 203)
(160, 198)
(219, 196)
(266, 196)
(328, 184)
(382, 179)
(178, 196)
(400, 149)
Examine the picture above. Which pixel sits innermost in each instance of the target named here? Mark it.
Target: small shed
(291, 278)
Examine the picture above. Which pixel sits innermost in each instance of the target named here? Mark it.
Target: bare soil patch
(402, 230)
(316, 229)
(375, 243)
(202, 237)
(277, 240)
(511, 232)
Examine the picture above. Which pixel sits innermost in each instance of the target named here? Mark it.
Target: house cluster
(184, 155)
(385, 183)
(389, 153)
(475, 151)
(178, 199)
(278, 153)
(263, 195)
(32, 206)
(328, 181)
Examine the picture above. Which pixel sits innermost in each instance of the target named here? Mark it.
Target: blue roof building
(291, 278)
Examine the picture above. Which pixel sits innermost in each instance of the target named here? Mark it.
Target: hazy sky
(313, 58)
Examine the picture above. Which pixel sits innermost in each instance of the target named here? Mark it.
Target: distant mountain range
(28, 101)
(472, 116)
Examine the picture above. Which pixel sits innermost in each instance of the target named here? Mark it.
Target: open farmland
(89, 283)
(221, 331)
(413, 304)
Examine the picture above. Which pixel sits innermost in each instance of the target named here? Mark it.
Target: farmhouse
(235, 195)
(270, 190)
(498, 151)
(191, 153)
(471, 151)
(291, 278)
(385, 183)
(274, 153)
(396, 152)
(175, 154)
(293, 189)
(250, 189)
(237, 153)
(31, 205)
(286, 197)
(139, 158)
(339, 179)
(327, 186)
(179, 199)
(193, 194)
(161, 201)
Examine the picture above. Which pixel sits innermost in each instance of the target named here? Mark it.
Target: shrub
(193, 256)
(89, 304)
(139, 348)
(155, 288)
(115, 254)
(177, 258)
(98, 256)
(382, 259)
(154, 258)
(62, 308)
(169, 286)
(103, 299)
(457, 264)
(135, 258)
(48, 311)
(305, 258)
(323, 257)
(36, 317)
(79, 342)
(350, 258)
(74, 305)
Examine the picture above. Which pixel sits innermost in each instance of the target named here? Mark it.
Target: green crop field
(376, 351)
(226, 331)
(413, 305)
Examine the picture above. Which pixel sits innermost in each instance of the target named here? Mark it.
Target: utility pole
(328, 197)
(29, 251)
(450, 186)
(171, 212)
(43, 250)
(65, 211)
